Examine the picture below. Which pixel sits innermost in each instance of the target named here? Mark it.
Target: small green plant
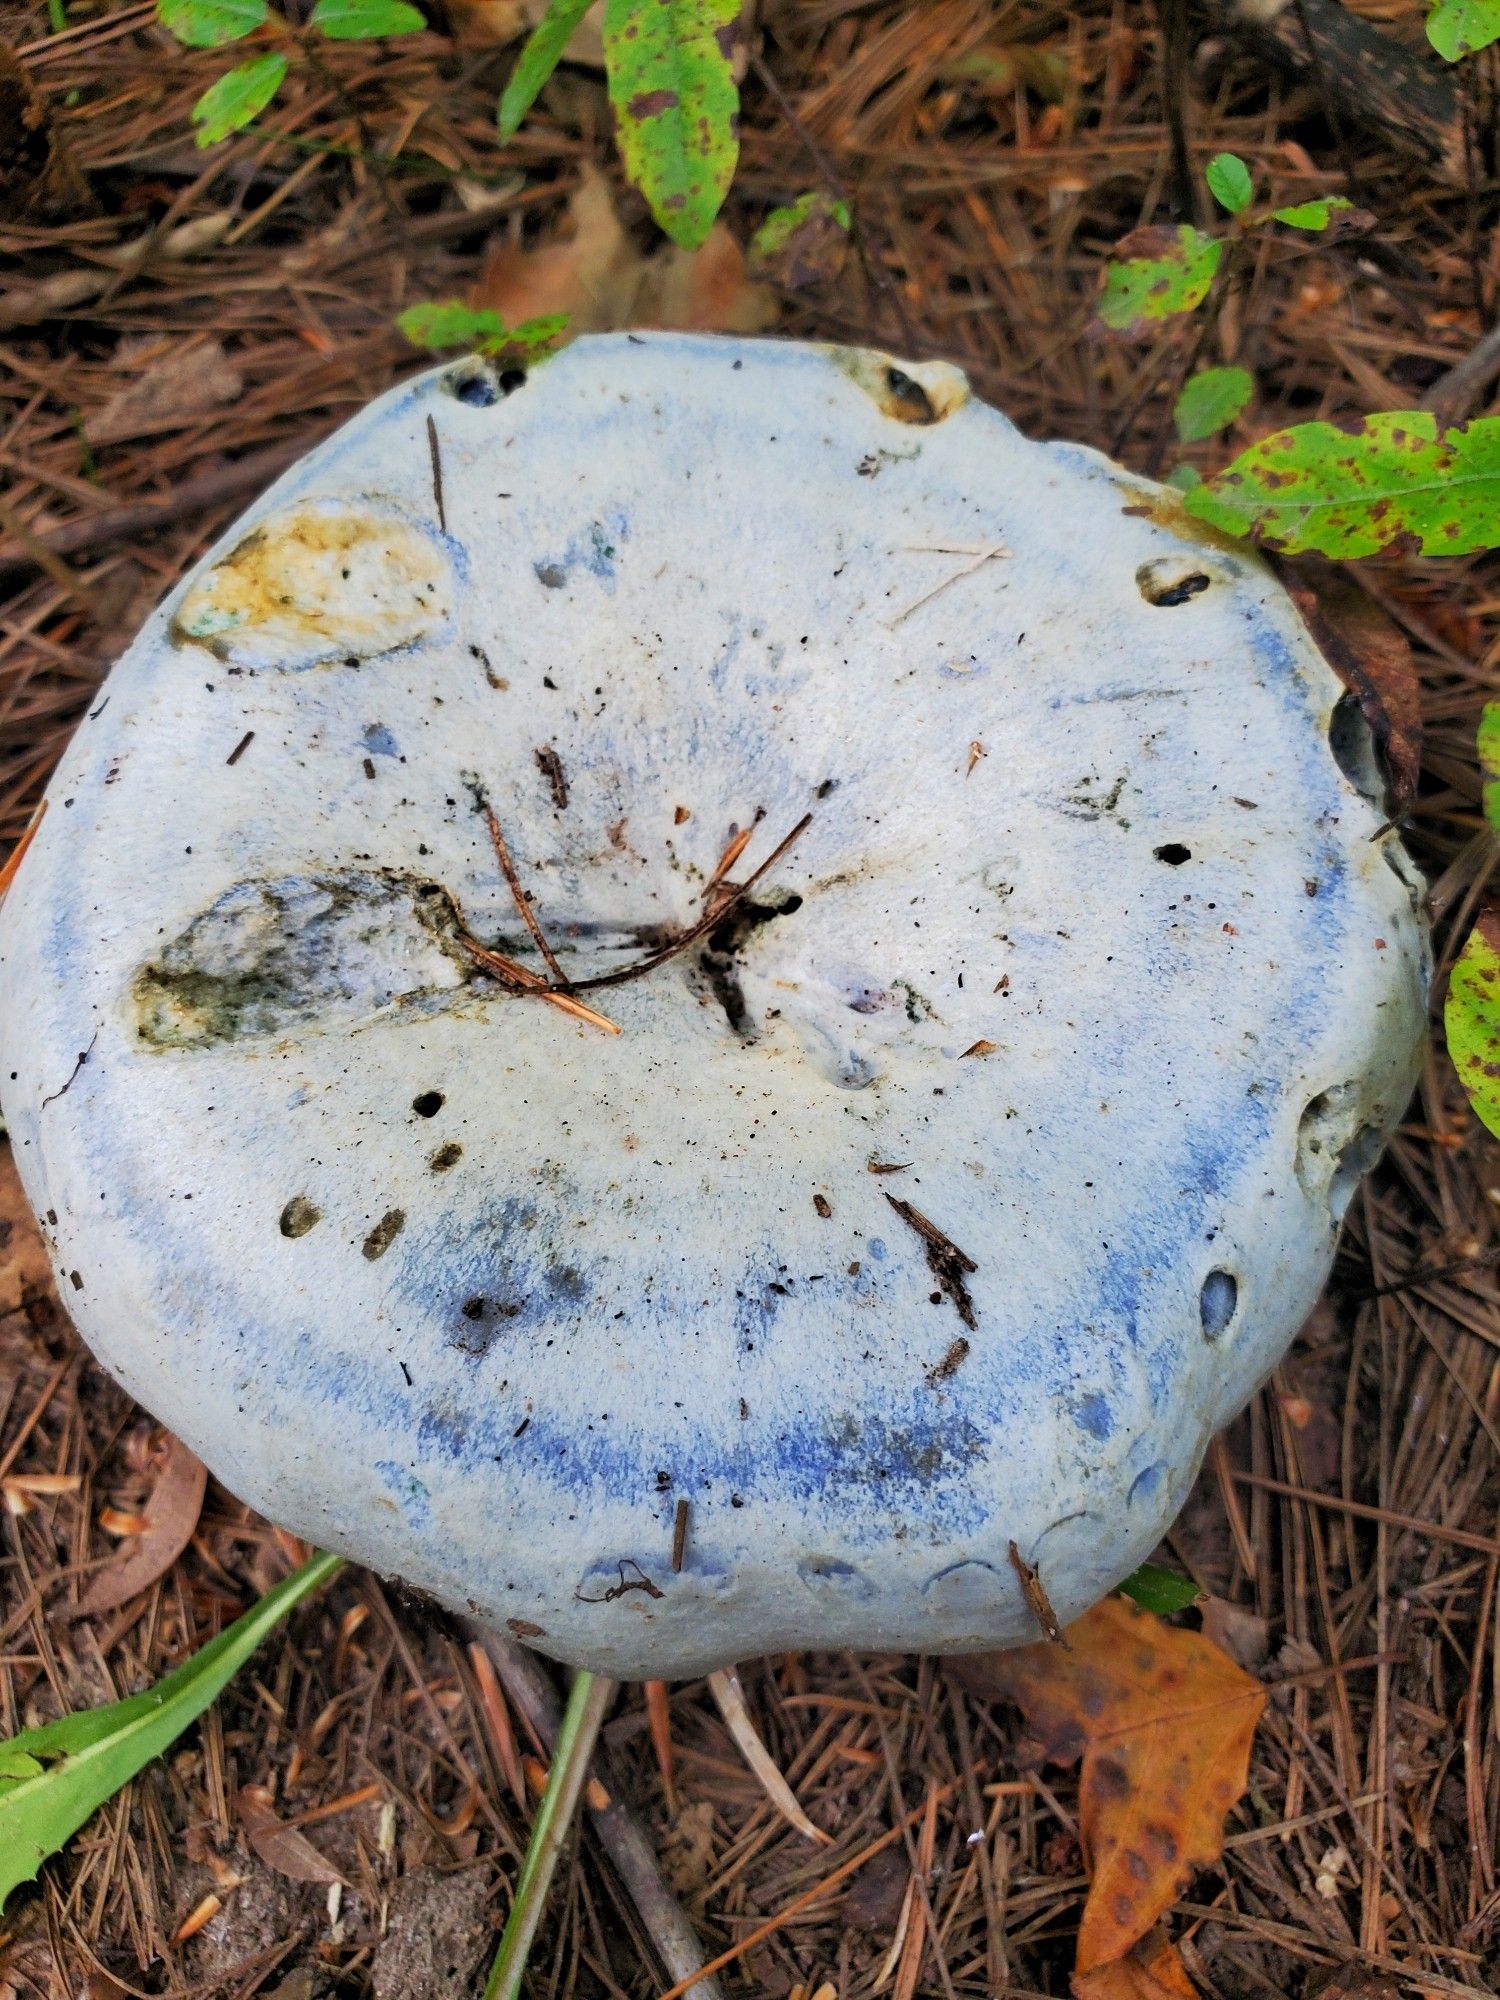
(1169, 270)
(1457, 28)
(242, 93)
(1398, 480)
(55, 1777)
(1161, 1590)
(444, 323)
(672, 88)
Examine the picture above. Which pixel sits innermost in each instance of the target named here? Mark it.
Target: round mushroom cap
(936, 1199)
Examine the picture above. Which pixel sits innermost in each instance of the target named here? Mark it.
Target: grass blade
(53, 1778)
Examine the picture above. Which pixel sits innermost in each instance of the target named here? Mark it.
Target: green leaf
(804, 243)
(1489, 761)
(1315, 487)
(450, 323)
(676, 106)
(1165, 271)
(365, 20)
(1161, 1590)
(1471, 1018)
(1183, 478)
(1210, 401)
(237, 97)
(1313, 215)
(1229, 182)
(1457, 28)
(207, 24)
(541, 55)
(54, 1777)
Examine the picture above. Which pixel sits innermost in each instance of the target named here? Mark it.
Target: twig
(520, 979)
(947, 1263)
(1030, 1578)
(436, 453)
(621, 1834)
(700, 929)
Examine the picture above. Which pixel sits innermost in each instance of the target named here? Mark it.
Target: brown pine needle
(704, 924)
(738, 842)
(520, 979)
(18, 853)
(528, 915)
(658, 1715)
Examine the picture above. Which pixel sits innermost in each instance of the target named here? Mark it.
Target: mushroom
(459, 1106)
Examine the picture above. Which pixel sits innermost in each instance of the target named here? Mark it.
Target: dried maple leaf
(1163, 1722)
(169, 1519)
(1150, 1971)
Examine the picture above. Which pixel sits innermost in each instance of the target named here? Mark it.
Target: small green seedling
(242, 93)
(1458, 28)
(1161, 1590)
(673, 92)
(445, 323)
(55, 1777)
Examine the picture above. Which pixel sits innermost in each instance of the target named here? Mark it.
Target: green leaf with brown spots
(676, 106)
(1456, 28)
(1471, 1017)
(1489, 761)
(239, 96)
(439, 323)
(541, 55)
(1162, 271)
(1394, 481)
(802, 244)
(1315, 214)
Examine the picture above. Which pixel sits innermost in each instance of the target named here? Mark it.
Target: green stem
(590, 1697)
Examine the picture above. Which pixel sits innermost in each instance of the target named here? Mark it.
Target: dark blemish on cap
(445, 1157)
(428, 1103)
(384, 1234)
(299, 1216)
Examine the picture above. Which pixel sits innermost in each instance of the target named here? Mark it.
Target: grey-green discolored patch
(300, 951)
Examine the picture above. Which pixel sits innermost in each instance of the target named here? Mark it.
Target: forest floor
(175, 327)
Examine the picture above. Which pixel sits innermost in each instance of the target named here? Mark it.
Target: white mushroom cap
(1092, 936)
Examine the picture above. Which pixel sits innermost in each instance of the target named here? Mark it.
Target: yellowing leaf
(803, 244)
(1163, 271)
(1163, 1722)
(1393, 480)
(676, 104)
(1471, 1018)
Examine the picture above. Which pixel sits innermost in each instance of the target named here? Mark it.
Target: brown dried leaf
(1163, 1722)
(280, 1846)
(170, 1517)
(1151, 1970)
(183, 384)
(1372, 657)
(598, 279)
(25, 1267)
